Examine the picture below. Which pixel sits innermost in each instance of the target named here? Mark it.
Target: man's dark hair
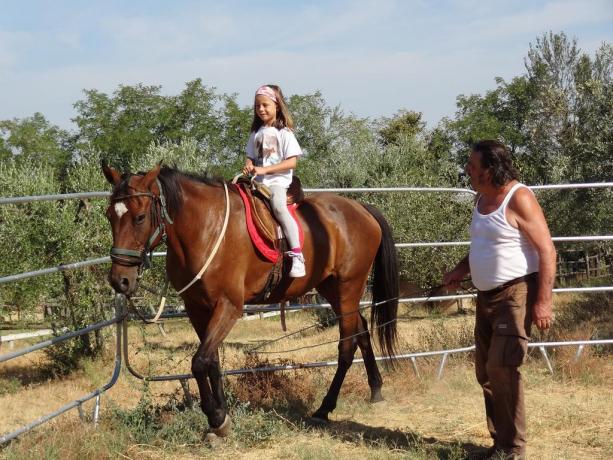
(496, 158)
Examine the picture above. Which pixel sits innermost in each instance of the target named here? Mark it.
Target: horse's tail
(385, 287)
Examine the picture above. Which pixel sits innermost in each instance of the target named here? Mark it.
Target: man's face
(479, 177)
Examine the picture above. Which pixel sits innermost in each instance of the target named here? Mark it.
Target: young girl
(272, 152)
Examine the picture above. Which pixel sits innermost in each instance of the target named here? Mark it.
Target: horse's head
(136, 213)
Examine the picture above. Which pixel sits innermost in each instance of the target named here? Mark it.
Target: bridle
(159, 214)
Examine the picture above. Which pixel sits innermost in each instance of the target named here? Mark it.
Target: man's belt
(502, 287)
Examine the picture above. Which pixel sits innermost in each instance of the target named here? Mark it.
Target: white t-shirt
(270, 146)
(498, 251)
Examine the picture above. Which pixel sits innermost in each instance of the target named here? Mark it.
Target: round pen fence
(121, 319)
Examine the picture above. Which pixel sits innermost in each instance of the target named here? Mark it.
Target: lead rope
(162, 302)
(215, 248)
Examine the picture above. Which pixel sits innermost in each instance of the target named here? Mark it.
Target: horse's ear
(151, 176)
(111, 174)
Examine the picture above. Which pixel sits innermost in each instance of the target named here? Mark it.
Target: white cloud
(538, 19)
(329, 24)
(12, 45)
(144, 37)
(70, 38)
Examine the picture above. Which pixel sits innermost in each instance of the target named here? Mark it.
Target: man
(512, 264)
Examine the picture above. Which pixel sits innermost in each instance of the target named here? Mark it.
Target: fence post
(442, 366)
(546, 357)
(579, 351)
(414, 362)
(96, 413)
(189, 402)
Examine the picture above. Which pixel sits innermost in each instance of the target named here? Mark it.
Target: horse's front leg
(206, 368)
(219, 399)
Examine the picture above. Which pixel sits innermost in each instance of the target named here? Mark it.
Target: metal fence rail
(77, 403)
(107, 259)
(87, 195)
(12, 338)
(412, 356)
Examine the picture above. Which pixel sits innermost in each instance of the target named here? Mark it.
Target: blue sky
(370, 57)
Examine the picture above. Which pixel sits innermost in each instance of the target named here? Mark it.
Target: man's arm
(453, 278)
(526, 214)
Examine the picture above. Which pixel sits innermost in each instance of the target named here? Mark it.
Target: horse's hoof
(224, 429)
(213, 440)
(319, 420)
(376, 396)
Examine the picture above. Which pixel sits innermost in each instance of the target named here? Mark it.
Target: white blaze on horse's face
(120, 209)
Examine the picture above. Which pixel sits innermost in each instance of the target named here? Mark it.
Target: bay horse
(343, 239)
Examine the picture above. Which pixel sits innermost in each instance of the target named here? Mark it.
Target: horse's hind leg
(346, 351)
(349, 328)
(375, 382)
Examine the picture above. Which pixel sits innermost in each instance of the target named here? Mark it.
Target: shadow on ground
(354, 432)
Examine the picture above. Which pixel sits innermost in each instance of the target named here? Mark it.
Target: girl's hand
(259, 170)
(248, 170)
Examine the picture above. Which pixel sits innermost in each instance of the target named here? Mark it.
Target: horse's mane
(170, 178)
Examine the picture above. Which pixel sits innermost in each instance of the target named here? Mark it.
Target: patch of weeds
(10, 386)
(252, 425)
(186, 427)
(141, 422)
(448, 451)
(587, 317)
(287, 391)
(67, 439)
(172, 423)
(325, 317)
(443, 336)
(45, 450)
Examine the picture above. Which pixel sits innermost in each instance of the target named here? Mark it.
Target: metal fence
(121, 321)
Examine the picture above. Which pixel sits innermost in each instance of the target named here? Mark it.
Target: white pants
(279, 207)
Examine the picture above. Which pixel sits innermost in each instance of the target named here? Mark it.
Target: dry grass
(568, 414)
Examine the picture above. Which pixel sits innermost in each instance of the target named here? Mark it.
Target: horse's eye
(140, 219)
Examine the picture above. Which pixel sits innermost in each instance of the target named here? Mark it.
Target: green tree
(557, 121)
(404, 124)
(124, 125)
(34, 140)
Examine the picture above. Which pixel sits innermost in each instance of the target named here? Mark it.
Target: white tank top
(498, 251)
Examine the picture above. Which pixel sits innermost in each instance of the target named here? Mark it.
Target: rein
(217, 244)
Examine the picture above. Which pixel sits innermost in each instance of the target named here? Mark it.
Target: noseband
(159, 214)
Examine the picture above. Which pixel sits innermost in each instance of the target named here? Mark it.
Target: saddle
(265, 231)
(256, 197)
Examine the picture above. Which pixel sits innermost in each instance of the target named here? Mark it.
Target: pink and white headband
(266, 91)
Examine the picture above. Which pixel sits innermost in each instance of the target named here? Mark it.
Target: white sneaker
(298, 269)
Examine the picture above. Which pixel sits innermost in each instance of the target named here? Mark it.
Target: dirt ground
(569, 414)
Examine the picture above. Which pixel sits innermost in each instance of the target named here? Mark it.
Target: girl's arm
(282, 167)
(248, 168)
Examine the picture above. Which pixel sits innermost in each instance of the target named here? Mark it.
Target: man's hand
(452, 279)
(542, 315)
